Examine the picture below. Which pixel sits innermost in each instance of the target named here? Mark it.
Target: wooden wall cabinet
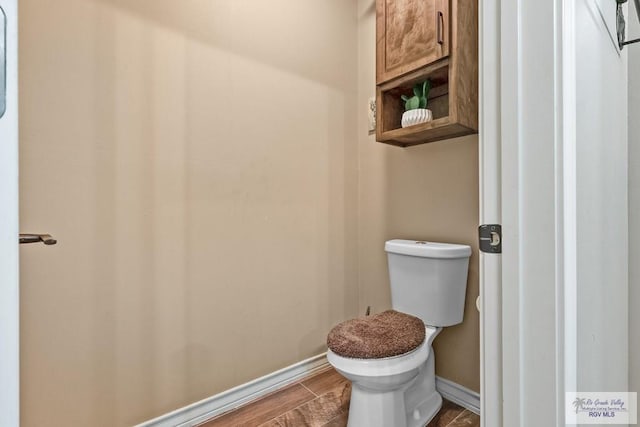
(427, 39)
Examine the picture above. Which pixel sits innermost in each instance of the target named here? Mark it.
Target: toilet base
(421, 398)
(425, 411)
(376, 409)
(390, 410)
(412, 405)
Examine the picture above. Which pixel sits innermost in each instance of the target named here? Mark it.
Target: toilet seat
(386, 366)
(387, 334)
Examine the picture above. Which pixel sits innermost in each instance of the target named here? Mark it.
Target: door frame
(9, 268)
(527, 184)
(490, 212)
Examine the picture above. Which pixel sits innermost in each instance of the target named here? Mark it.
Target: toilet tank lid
(427, 249)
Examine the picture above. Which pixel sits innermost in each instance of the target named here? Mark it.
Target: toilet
(388, 357)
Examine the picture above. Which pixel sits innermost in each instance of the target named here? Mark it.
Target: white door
(601, 200)
(595, 176)
(9, 294)
(554, 136)
(600, 197)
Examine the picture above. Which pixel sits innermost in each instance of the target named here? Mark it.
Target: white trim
(490, 213)
(510, 114)
(458, 394)
(9, 269)
(228, 400)
(568, 243)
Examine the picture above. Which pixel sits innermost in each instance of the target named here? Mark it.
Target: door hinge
(490, 238)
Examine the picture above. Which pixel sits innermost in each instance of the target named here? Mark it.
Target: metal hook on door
(621, 23)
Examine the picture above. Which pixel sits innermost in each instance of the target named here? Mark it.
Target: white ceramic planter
(413, 117)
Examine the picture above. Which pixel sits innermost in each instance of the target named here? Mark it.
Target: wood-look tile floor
(320, 401)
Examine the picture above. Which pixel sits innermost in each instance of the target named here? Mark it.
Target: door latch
(490, 238)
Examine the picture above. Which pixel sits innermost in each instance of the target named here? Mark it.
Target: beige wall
(219, 206)
(427, 192)
(197, 163)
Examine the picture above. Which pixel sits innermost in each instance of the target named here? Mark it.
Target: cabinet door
(410, 34)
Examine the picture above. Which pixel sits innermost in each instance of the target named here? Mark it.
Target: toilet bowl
(428, 287)
(394, 391)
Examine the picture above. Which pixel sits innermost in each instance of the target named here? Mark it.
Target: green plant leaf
(412, 103)
(423, 102)
(417, 90)
(405, 98)
(426, 88)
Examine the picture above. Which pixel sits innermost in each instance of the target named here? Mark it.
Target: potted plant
(416, 106)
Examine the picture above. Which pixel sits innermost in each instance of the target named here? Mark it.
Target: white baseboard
(223, 402)
(228, 400)
(458, 394)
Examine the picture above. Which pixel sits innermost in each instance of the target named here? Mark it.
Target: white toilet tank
(428, 280)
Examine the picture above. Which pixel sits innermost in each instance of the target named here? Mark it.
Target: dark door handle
(440, 28)
(37, 238)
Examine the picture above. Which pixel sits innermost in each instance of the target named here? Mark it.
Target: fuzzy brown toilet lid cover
(386, 334)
